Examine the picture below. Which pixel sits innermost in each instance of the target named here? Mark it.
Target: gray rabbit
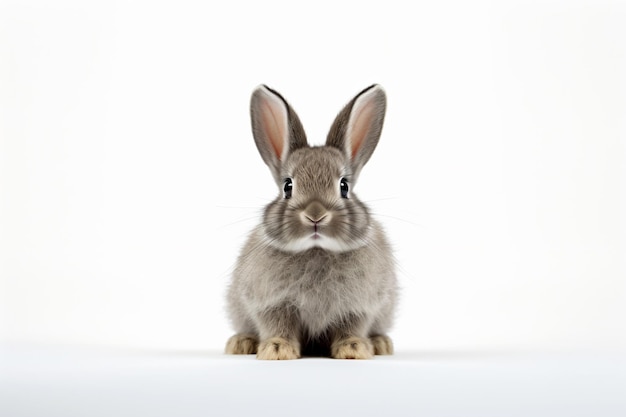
(317, 275)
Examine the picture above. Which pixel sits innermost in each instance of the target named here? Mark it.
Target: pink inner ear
(275, 124)
(361, 122)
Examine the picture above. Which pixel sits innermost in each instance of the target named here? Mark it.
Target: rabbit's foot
(242, 344)
(277, 348)
(352, 348)
(382, 344)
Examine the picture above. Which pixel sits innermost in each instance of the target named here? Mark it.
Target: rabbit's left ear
(358, 126)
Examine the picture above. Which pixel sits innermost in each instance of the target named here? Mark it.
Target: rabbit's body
(318, 271)
(321, 287)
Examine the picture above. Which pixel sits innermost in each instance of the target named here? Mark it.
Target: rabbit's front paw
(277, 348)
(352, 348)
(242, 344)
(382, 345)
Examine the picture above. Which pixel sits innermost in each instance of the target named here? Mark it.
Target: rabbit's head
(316, 206)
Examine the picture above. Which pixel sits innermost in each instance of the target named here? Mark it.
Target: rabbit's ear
(276, 128)
(358, 126)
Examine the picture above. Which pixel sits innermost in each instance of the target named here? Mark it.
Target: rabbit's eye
(288, 187)
(343, 185)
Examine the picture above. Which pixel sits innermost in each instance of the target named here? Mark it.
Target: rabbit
(318, 273)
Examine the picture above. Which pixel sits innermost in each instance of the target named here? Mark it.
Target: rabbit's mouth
(321, 240)
(316, 234)
(315, 221)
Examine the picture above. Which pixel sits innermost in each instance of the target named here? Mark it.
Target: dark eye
(288, 187)
(343, 185)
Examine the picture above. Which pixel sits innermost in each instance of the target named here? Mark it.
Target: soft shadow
(121, 350)
(460, 354)
(399, 355)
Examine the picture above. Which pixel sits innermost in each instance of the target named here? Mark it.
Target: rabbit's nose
(315, 213)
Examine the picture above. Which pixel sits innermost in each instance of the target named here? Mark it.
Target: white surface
(50, 382)
(129, 177)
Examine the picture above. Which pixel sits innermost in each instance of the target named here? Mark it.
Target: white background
(129, 177)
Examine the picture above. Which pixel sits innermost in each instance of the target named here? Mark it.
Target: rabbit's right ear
(276, 128)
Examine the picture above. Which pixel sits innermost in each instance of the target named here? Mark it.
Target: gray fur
(337, 291)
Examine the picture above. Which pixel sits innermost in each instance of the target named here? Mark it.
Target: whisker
(377, 214)
(237, 207)
(239, 221)
(380, 199)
